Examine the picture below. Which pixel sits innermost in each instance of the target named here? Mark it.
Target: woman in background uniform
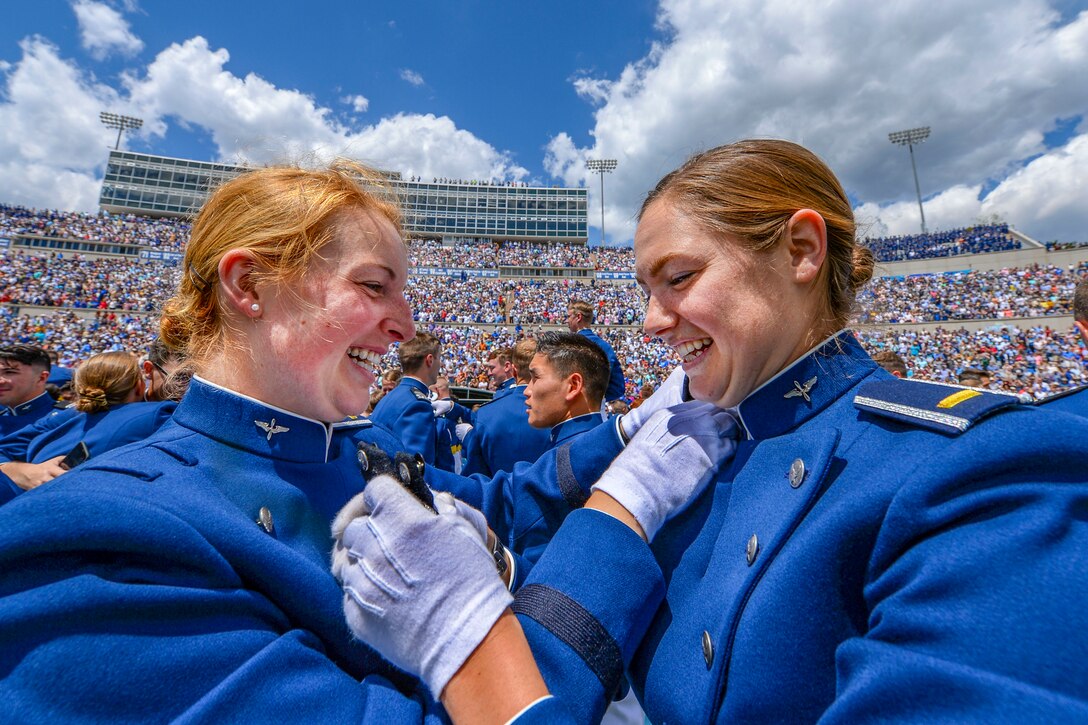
(876, 549)
(108, 412)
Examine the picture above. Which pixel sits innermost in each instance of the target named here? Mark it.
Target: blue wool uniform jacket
(877, 550)
(617, 388)
(187, 577)
(26, 413)
(101, 432)
(502, 436)
(406, 410)
(1073, 401)
(527, 505)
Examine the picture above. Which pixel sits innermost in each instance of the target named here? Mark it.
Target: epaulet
(480, 406)
(1062, 394)
(936, 406)
(420, 395)
(352, 421)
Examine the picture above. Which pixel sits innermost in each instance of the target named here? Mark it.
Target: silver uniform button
(708, 649)
(264, 520)
(752, 549)
(797, 473)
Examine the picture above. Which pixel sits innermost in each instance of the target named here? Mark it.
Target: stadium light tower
(908, 138)
(602, 167)
(121, 123)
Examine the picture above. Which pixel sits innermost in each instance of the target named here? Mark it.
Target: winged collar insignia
(802, 389)
(270, 428)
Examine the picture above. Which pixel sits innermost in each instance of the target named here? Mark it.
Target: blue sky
(528, 91)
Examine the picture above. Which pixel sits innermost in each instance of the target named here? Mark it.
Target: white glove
(419, 588)
(441, 407)
(669, 394)
(462, 430)
(671, 459)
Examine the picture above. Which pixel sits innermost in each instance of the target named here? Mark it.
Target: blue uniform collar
(416, 383)
(573, 426)
(42, 402)
(806, 387)
(243, 422)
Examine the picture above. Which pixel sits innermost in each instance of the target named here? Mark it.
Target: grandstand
(83, 283)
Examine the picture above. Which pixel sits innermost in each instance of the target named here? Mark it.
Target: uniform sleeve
(977, 588)
(475, 454)
(13, 446)
(526, 506)
(116, 610)
(585, 607)
(616, 385)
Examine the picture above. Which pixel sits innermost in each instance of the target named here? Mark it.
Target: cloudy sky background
(480, 89)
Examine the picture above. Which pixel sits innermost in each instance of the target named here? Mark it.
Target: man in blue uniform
(563, 397)
(579, 318)
(500, 370)
(1074, 400)
(502, 435)
(406, 409)
(24, 371)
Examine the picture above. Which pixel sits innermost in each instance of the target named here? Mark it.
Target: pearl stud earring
(255, 307)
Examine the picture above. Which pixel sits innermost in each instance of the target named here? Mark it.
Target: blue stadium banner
(164, 256)
(615, 275)
(452, 272)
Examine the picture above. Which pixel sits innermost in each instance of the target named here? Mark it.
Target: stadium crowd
(168, 234)
(1031, 360)
(171, 234)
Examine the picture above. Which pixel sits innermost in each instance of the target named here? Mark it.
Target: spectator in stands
(579, 318)
(108, 413)
(891, 362)
(859, 511)
(24, 370)
(391, 378)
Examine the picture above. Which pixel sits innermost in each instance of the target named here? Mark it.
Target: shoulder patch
(420, 395)
(944, 408)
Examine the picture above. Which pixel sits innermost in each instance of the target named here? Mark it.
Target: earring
(255, 307)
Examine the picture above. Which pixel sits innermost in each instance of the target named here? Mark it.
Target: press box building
(149, 185)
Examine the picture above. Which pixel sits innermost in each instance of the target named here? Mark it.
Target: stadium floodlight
(602, 167)
(909, 138)
(121, 123)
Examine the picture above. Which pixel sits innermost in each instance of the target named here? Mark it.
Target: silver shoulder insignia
(270, 428)
(802, 390)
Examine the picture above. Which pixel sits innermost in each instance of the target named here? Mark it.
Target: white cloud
(103, 30)
(989, 77)
(250, 119)
(359, 103)
(411, 76)
(52, 152)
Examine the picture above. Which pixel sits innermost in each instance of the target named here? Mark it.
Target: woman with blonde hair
(874, 550)
(108, 412)
(188, 577)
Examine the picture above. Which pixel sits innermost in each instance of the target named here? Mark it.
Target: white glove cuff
(630, 494)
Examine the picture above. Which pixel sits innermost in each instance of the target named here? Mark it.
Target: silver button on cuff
(752, 550)
(797, 473)
(264, 520)
(708, 649)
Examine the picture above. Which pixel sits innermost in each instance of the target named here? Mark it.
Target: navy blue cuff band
(577, 628)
